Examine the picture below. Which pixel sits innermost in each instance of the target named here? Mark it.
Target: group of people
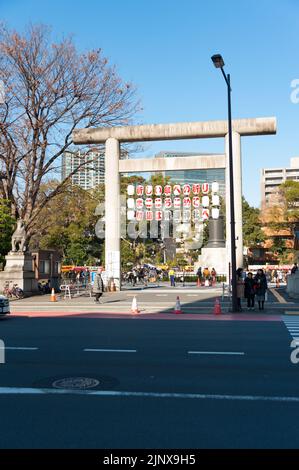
(252, 288)
(206, 276)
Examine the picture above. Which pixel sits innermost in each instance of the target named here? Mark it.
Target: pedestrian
(260, 288)
(213, 274)
(294, 269)
(240, 288)
(98, 285)
(171, 277)
(199, 276)
(249, 291)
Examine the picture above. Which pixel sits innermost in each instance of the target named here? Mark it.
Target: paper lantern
(187, 202)
(196, 189)
(130, 203)
(139, 215)
(177, 202)
(167, 202)
(215, 200)
(149, 215)
(131, 215)
(205, 214)
(167, 190)
(148, 190)
(205, 201)
(177, 190)
(158, 190)
(177, 216)
(130, 189)
(205, 188)
(196, 202)
(140, 190)
(158, 203)
(139, 203)
(148, 203)
(186, 215)
(186, 189)
(215, 213)
(158, 215)
(215, 187)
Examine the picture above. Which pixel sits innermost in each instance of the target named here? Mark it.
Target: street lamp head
(218, 61)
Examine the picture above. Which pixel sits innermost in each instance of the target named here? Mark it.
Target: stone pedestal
(293, 285)
(214, 255)
(19, 270)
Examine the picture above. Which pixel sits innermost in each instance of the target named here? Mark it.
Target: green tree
(7, 223)
(252, 226)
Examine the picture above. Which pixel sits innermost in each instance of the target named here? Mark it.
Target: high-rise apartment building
(272, 178)
(92, 172)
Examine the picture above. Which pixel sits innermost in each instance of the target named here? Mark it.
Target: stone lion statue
(18, 238)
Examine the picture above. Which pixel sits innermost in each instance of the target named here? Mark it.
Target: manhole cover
(76, 383)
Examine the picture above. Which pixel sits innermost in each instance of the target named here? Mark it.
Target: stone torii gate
(113, 136)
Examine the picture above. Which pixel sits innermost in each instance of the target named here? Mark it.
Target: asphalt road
(158, 384)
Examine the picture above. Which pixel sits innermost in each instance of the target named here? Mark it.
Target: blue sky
(164, 48)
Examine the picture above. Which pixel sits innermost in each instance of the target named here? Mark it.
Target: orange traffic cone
(134, 308)
(53, 295)
(217, 307)
(177, 308)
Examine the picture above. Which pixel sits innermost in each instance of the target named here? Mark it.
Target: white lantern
(215, 187)
(148, 203)
(205, 214)
(177, 202)
(215, 213)
(130, 189)
(215, 200)
(131, 215)
(205, 201)
(158, 190)
(130, 203)
(205, 188)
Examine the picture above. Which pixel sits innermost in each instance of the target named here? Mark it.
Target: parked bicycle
(13, 291)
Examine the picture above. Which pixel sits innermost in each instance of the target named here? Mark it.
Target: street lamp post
(219, 64)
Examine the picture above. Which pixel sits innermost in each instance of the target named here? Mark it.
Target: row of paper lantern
(167, 190)
(197, 215)
(176, 202)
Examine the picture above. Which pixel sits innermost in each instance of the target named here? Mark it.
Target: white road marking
(19, 348)
(111, 350)
(224, 353)
(167, 395)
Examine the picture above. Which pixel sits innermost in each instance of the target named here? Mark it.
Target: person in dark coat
(98, 285)
(240, 288)
(249, 291)
(260, 288)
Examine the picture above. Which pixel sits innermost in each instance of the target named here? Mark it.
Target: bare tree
(50, 90)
